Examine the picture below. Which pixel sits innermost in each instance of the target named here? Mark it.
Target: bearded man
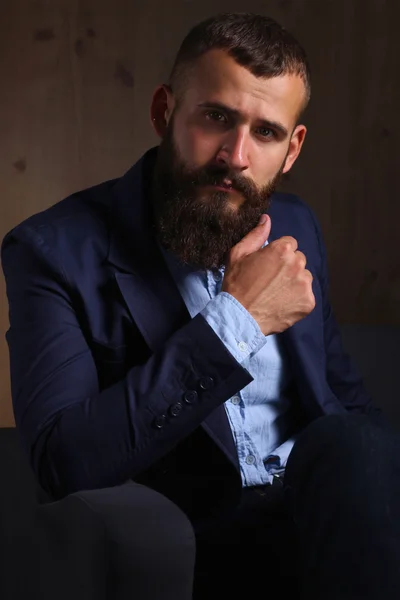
(172, 329)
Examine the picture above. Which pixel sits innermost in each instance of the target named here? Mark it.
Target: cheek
(267, 165)
(195, 147)
(264, 172)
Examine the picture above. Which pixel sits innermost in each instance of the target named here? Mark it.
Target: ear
(161, 108)
(295, 146)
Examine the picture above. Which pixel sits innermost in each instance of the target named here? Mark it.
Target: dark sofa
(64, 549)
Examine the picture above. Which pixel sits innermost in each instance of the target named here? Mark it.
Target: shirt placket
(249, 458)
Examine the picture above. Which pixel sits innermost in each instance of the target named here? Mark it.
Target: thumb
(256, 238)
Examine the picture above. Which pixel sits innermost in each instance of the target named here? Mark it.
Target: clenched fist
(272, 283)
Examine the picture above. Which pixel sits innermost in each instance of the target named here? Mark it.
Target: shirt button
(160, 421)
(242, 346)
(235, 400)
(175, 409)
(206, 383)
(190, 396)
(250, 460)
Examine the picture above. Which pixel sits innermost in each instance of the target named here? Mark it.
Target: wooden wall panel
(77, 77)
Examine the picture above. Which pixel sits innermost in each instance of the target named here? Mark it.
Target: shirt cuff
(234, 325)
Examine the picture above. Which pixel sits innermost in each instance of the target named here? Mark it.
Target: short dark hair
(255, 42)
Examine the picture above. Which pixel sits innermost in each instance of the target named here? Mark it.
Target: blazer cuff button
(160, 421)
(175, 409)
(206, 383)
(190, 396)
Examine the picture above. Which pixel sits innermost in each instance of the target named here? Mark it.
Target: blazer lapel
(146, 285)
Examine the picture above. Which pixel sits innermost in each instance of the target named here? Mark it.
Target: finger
(254, 240)
(286, 239)
(301, 257)
(309, 275)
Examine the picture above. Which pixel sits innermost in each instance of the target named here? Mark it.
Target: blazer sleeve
(341, 374)
(76, 436)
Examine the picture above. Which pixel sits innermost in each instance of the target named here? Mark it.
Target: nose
(234, 151)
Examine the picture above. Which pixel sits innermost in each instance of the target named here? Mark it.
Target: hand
(272, 283)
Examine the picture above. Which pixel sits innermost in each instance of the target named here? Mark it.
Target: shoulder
(291, 208)
(67, 224)
(69, 241)
(78, 209)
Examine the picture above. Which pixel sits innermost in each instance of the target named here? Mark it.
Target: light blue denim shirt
(257, 413)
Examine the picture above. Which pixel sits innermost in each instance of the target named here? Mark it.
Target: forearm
(114, 435)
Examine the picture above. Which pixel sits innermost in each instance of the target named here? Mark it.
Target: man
(161, 331)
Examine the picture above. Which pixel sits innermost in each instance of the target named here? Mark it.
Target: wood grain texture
(77, 78)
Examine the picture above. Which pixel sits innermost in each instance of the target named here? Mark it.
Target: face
(223, 149)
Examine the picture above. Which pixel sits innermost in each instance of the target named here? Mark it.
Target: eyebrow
(233, 112)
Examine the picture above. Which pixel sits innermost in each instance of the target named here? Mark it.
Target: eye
(216, 116)
(266, 133)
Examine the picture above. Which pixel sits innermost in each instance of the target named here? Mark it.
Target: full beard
(200, 227)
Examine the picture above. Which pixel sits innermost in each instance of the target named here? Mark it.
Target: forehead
(216, 77)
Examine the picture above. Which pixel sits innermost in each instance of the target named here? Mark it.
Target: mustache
(217, 175)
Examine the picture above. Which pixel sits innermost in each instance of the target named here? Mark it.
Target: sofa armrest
(114, 541)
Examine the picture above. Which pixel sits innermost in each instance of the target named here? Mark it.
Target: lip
(222, 188)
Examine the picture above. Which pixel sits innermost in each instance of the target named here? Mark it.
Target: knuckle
(305, 279)
(301, 258)
(298, 268)
(291, 241)
(285, 247)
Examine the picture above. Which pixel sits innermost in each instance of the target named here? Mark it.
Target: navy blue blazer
(112, 379)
